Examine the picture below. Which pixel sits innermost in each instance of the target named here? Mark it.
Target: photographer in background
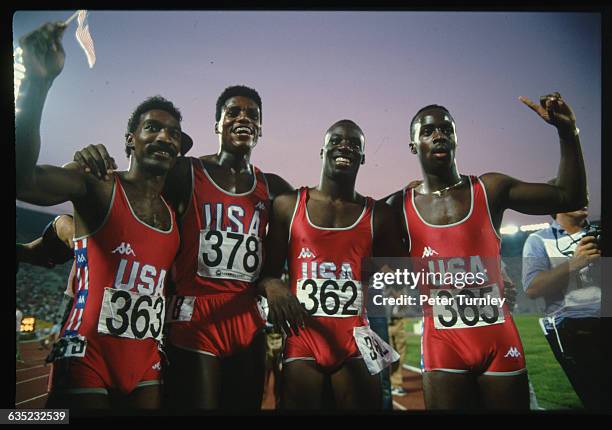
(560, 265)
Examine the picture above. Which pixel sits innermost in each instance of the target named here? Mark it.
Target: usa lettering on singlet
(469, 247)
(228, 255)
(121, 271)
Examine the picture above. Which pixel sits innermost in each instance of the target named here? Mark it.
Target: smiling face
(343, 151)
(435, 139)
(240, 124)
(156, 141)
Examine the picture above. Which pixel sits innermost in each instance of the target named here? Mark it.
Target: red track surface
(32, 378)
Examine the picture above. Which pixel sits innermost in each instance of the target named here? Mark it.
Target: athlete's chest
(333, 215)
(151, 211)
(230, 181)
(447, 209)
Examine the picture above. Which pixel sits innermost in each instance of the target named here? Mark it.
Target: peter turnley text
(459, 299)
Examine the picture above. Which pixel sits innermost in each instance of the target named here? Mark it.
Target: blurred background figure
(561, 265)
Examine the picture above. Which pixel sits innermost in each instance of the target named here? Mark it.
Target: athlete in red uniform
(324, 233)
(127, 241)
(216, 340)
(473, 358)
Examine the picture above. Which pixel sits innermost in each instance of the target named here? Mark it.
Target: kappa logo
(306, 253)
(81, 259)
(513, 352)
(124, 249)
(261, 206)
(428, 251)
(157, 366)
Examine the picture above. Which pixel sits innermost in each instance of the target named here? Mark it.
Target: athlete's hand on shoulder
(95, 159)
(43, 53)
(555, 111)
(285, 311)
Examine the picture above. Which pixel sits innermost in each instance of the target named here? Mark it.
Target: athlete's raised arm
(43, 58)
(286, 312)
(569, 193)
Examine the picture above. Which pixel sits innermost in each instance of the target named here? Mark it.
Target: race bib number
(227, 255)
(458, 313)
(65, 347)
(180, 308)
(131, 315)
(376, 353)
(338, 298)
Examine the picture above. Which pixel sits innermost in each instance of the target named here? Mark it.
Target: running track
(32, 378)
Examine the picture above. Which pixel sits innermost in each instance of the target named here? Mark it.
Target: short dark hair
(237, 91)
(152, 103)
(345, 121)
(416, 115)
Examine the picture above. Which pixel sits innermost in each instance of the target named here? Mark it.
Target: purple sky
(313, 68)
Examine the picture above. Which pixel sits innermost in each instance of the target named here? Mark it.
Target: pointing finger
(530, 104)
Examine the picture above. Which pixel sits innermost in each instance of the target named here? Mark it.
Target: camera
(595, 231)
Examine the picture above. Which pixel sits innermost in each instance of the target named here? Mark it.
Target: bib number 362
(131, 315)
(228, 255)
(339, 298)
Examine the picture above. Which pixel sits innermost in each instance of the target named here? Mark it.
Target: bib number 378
(131, 315)
(228, 255)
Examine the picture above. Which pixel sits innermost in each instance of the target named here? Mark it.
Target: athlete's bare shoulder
(393, 201)
(209, 159)
(284, 204)
(277, 185)
(496, 185)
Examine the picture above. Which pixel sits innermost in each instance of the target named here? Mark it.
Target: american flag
(84, 38)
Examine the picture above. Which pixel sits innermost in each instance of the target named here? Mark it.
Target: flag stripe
(84, 38)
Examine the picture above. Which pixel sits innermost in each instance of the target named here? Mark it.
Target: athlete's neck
(149, 184)
(338, 188)
(436, 181)
(234, 162)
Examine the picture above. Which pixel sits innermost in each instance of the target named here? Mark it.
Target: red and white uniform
(325, 276)
(215, 310)
(458, 337)
(112, 334)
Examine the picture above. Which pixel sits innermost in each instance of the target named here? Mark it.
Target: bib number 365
(460, 314)
(131, 315)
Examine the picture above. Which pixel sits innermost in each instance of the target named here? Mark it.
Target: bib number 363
(228, 255)
(131, 315)
(376, 353)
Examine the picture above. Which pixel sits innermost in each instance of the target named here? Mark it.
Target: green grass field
(552, 388)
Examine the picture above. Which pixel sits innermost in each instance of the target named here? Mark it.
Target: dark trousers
(581, 359)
